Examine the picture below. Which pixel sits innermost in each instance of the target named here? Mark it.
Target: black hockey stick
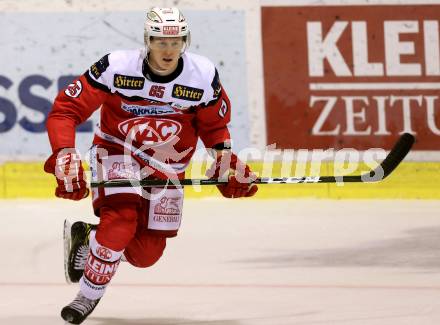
(391, 161)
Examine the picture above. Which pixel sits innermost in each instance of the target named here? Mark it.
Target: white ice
(241, 262)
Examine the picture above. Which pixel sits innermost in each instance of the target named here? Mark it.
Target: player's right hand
(66, 165)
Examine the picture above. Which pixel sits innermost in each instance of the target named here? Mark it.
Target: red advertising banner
(352, 76)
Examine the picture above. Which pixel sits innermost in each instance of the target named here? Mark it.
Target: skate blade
(67, 237)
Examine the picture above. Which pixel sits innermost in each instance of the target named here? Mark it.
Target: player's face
(165, 52)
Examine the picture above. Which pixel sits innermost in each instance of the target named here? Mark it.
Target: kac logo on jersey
(223, 110)
(150, 131)
(103, 253)
(128, 82)
(74, 89)
(187, 93)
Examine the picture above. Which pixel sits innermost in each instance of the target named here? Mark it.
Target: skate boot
(78, 310)
(76, 249)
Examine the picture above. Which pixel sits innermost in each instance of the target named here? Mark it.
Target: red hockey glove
(239, 175)
(66, 165)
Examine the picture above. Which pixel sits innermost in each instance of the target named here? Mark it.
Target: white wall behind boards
(45, 44)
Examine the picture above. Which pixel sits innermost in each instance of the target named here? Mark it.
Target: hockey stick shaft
(386, 167)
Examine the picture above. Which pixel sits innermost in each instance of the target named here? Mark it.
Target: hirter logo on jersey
(170, 30)
(187, 93)
(150, 131)
(128, 82)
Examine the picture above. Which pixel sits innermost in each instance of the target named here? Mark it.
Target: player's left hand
(239, 176)
(66, 165)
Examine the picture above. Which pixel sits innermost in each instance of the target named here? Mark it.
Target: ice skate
(78, 310)
(76, 248)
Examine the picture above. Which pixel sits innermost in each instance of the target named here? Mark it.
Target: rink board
(411, 180)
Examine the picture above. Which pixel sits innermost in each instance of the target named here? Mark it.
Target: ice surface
(241, 262)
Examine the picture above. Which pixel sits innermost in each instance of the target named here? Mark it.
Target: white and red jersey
(144, 109)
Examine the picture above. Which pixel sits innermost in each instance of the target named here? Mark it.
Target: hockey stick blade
(396, 155)
(386, 167)
(389, 164)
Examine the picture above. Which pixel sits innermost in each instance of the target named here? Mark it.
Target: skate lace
(81, 257)
(83, 304)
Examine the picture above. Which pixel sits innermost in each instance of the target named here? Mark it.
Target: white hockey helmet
(166, 22)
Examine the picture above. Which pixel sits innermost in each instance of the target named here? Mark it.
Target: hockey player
(156, 102)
